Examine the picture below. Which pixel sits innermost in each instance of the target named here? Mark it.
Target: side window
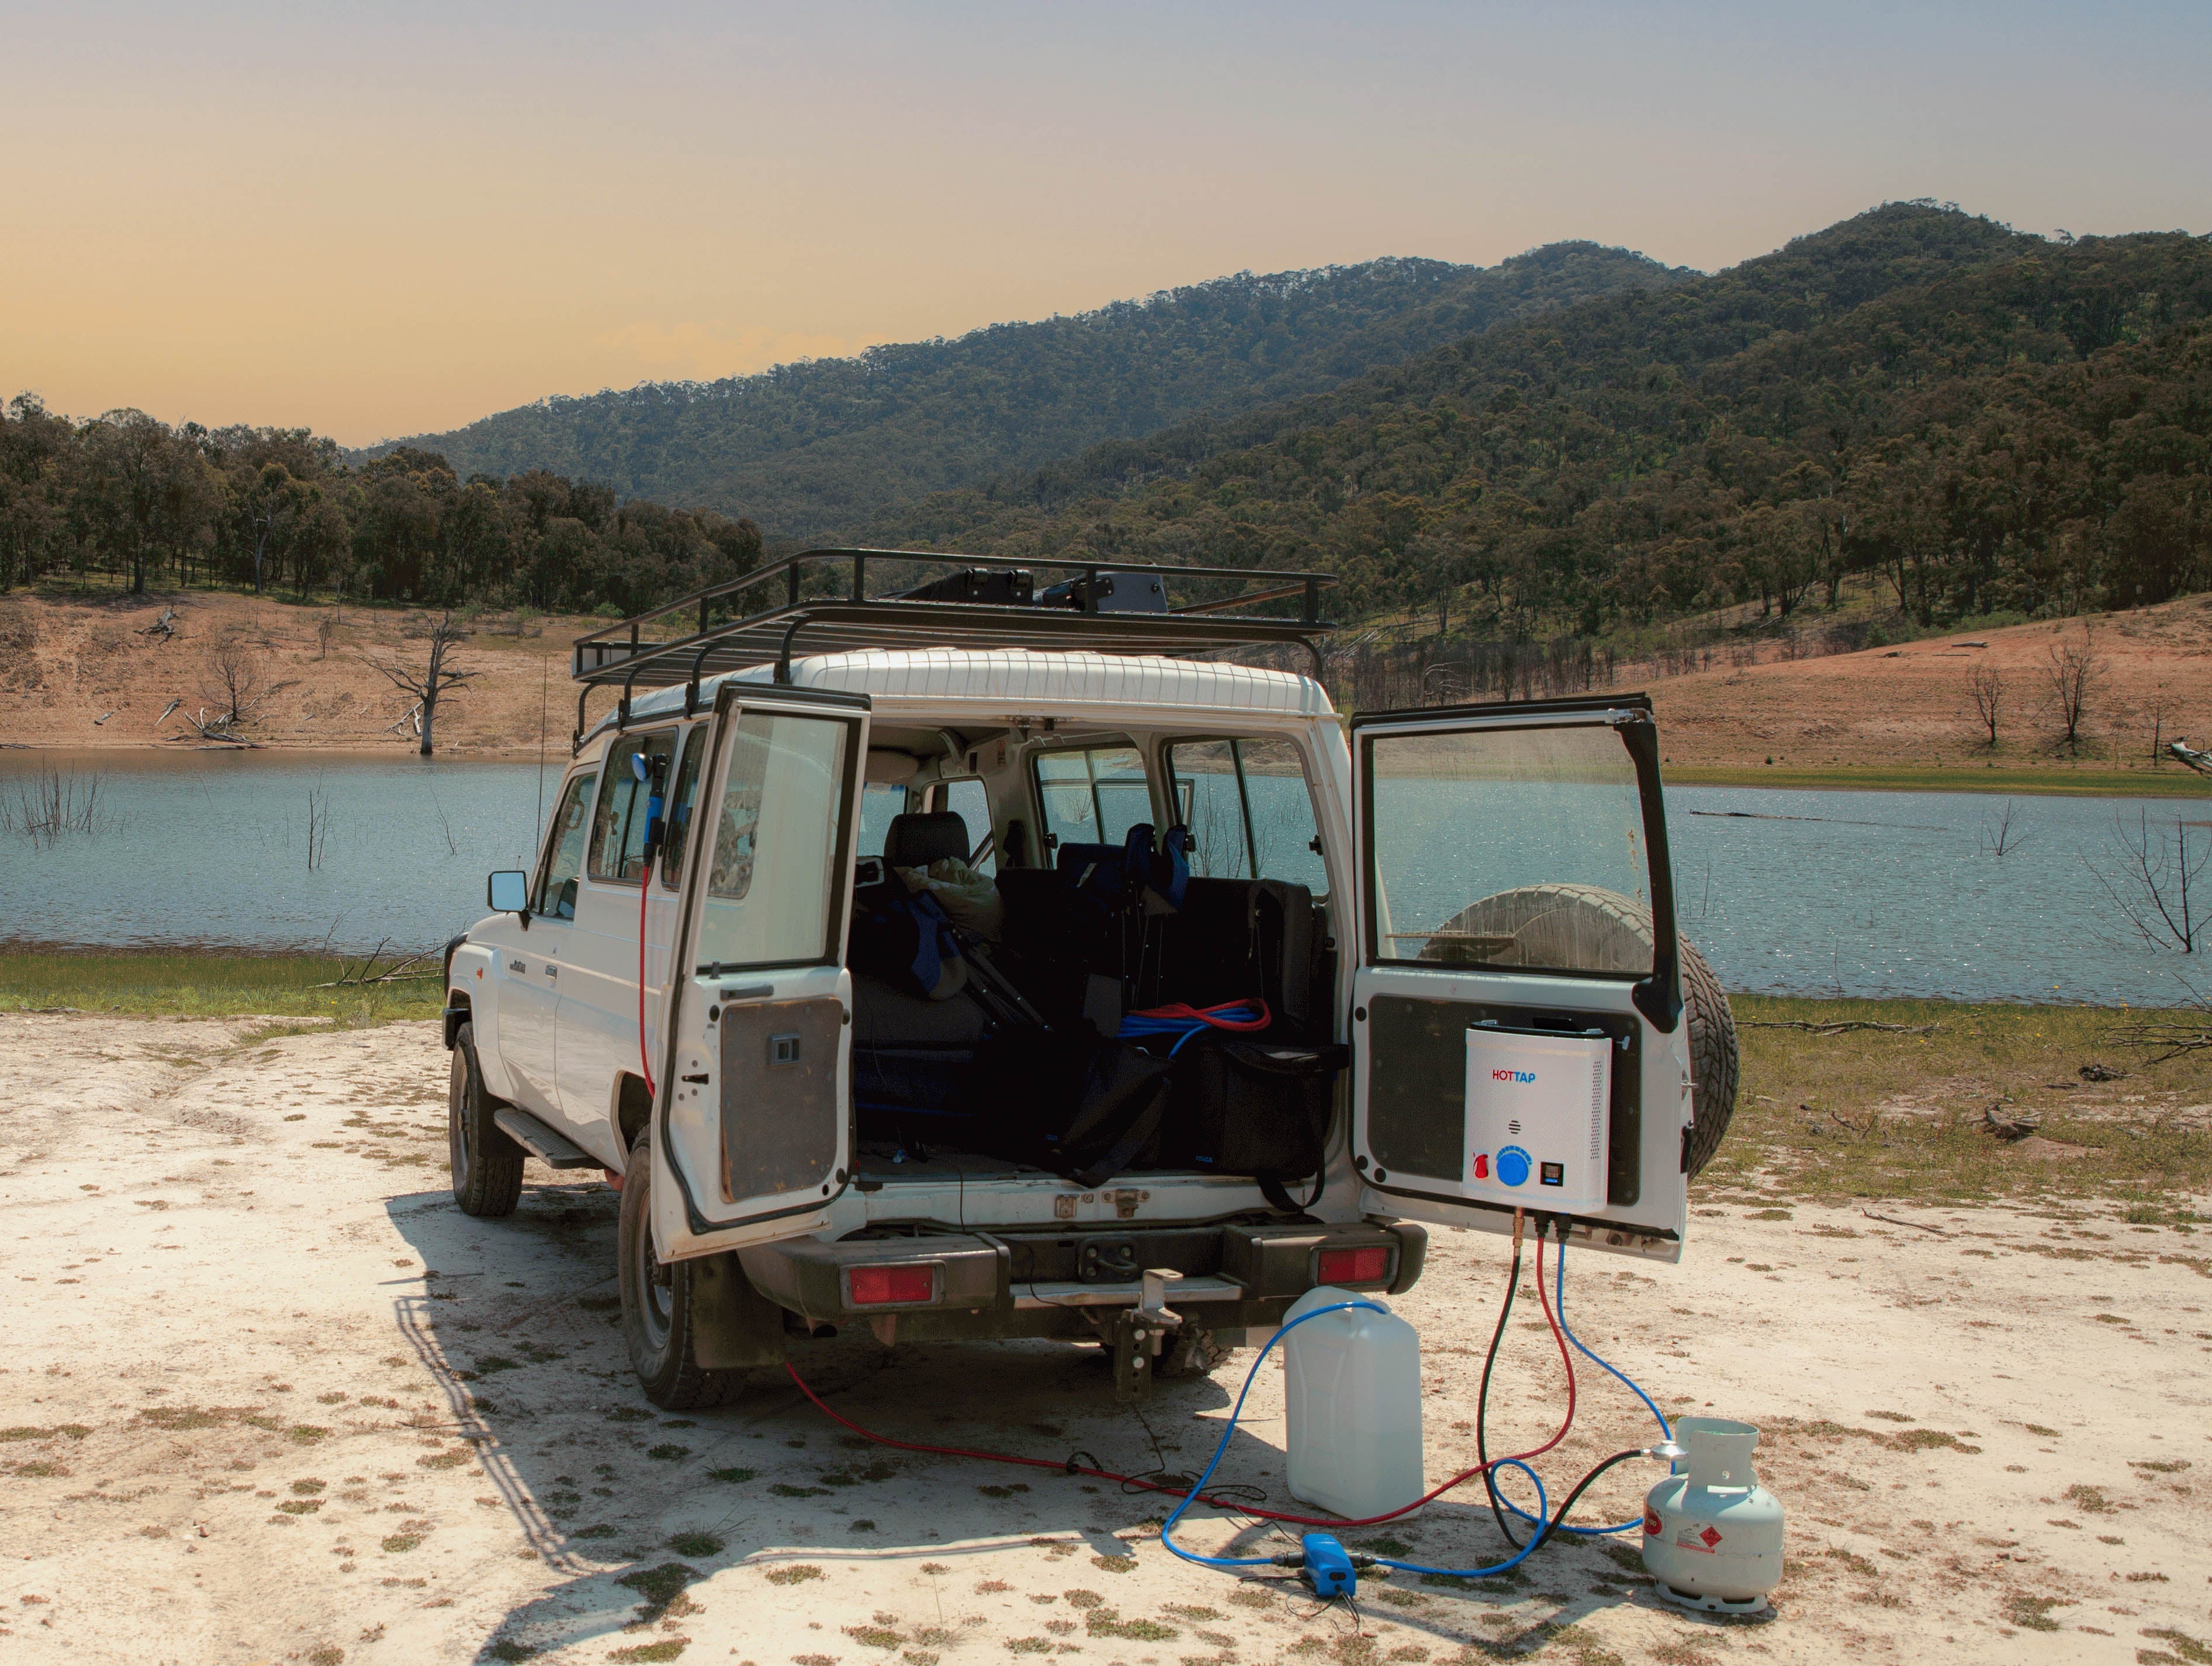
(679, 806)
(968, 800)
(878, 804)
(564, 859)
(772, 887)
(618, 829)
(1092, 795)
(1249, 812)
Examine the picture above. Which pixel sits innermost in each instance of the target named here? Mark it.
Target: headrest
(918, 841)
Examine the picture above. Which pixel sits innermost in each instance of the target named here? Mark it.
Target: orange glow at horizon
(394, 220)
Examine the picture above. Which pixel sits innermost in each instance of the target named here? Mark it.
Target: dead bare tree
(2160, 711)
(234, 682)
(1985, 687)
(2186, 1029)
(2073, 673)
(2154, 890)
(424, 682)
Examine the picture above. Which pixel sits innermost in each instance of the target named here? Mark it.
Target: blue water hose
(1167, 1528)
(1245, 1015)
(1559, 1306)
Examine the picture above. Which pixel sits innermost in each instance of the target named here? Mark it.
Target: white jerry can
(1712, 1535)
(1352, 1393)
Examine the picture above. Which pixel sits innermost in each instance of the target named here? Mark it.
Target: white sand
(220, 1258)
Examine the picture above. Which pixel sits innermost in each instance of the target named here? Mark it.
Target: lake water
(1786, 892)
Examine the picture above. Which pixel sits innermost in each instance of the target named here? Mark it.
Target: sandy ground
(267, 1396)
(65, 664)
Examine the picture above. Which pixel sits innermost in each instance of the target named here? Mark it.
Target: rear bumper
(1062, 1282)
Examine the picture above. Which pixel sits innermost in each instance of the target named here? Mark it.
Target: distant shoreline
(2088, 781)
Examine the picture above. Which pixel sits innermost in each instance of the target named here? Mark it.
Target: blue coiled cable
(1167, 1528)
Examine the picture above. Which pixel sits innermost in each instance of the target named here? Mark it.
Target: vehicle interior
(1069, 879)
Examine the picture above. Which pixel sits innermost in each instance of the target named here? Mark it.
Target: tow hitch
(1139, 1331)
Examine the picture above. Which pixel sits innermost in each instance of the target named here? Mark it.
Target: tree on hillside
(1985, 688)
(425, 681)
(2073, 673)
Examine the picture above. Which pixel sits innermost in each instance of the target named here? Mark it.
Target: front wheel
(486, 1165)
(656, 1303)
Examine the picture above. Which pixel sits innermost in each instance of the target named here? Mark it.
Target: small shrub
(453, 1460)
(399, 1542)
(733, 1477)
(695, 1544)
(784, 1490)
(667, 1649)
(668, 1453)
(797, 1573)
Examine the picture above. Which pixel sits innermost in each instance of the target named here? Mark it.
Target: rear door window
(1249, 812)
(1092, 794)
(879, 805)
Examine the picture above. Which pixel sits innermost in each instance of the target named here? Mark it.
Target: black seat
(916, 841)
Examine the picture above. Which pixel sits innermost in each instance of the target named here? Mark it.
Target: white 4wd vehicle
(923, 970)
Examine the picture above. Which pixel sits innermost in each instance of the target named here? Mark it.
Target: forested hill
(1989, 420)
(812, 450)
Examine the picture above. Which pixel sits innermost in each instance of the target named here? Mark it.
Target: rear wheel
(656, 1303)
(486, 1165)
(1588, 926)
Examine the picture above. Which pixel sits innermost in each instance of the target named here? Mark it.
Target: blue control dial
(1513, 1166)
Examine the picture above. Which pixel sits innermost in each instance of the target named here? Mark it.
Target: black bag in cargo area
(1255, 1107)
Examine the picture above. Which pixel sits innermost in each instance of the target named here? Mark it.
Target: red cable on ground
(1218, 1502)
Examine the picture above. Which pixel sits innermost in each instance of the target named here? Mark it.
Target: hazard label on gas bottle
(1710, 1537)
(1705, 1540)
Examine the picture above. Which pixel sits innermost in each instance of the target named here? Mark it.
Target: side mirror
(507, 893)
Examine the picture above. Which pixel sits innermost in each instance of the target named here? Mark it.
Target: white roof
(1023, 680)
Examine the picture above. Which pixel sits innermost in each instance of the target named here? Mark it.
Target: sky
(380, 219)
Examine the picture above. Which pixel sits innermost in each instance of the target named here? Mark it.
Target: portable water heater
(1539, 1111)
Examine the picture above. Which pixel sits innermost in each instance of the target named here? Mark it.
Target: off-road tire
(1191, 1351)
(1603, 928)
(656, 1317)
(486, 1163)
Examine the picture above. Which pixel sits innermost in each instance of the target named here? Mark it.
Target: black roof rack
(1108, 607)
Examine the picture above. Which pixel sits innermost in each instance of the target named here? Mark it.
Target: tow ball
(1139, 1331)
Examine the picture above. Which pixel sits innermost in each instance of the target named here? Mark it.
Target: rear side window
(679, 807)
(880, 804)
(968, 800)
(1249, 812)
(1092, 794)
(564, 858)
(618, 829)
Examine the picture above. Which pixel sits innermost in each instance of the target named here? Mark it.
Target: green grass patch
(1872, 1114)
(192, 983)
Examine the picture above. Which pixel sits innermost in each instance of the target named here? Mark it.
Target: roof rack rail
(984, 601)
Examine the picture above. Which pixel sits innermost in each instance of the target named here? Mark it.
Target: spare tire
(1593, 929)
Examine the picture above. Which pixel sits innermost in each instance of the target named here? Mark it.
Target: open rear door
(1517, 1005)
(752, 1137)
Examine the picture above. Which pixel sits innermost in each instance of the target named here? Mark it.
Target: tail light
(1346, 1267)
(883, 1286)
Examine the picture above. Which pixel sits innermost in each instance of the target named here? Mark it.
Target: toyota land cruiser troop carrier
(928, 948)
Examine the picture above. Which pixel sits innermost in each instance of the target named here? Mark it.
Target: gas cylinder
(1712, 1535)
(1353, 1406)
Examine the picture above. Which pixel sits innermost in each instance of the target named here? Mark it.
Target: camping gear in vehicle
(1351, 1404)
(1244, 1105)
(1117, 1124)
